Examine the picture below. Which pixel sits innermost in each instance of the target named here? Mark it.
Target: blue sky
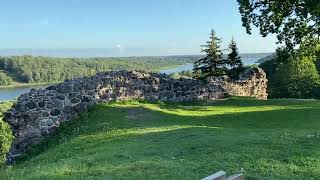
(132, 27)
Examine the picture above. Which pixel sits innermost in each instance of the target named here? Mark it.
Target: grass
(274, 139)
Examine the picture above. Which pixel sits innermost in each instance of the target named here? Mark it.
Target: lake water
(186, 67)
(7, 94)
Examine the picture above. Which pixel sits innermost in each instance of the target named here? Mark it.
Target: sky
(125, 27)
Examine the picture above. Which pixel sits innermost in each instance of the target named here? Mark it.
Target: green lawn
(274, 139)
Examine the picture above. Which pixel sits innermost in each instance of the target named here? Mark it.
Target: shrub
(5, 133)
(4, 79)
(175, 75)
(293, 75)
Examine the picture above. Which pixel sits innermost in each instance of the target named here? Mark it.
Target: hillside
(38, 69)
(273, 139)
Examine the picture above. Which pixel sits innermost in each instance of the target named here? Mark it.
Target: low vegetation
(29, 69)
(273, 139)
(5, 79)
(182, 74)
(5, 133)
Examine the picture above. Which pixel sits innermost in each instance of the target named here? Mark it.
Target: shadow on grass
(274, 139)
(246, 102)
(105, 118)
(192, 152)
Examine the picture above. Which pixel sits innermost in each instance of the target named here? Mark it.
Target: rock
(68, 109)
(42, 104)
(55, 112)
(75, 101)
(31, 105)
(61, 97)
(8, 115)
(34, 116)
(80, 107)
(51, 88)
(45, 114)
(63, 89)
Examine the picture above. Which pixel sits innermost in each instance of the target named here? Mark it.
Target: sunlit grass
(210, 110)
(274, 139)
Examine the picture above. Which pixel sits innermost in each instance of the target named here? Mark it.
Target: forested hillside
(30, 69)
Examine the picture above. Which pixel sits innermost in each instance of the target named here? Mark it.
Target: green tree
(213, 63)
(27, 69)
(293, 75)
(5, 133)
(4, 79)
(234, 59)
(294, 21)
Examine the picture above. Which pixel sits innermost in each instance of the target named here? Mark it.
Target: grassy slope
(271, 139)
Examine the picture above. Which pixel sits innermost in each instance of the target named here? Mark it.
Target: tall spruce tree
(234, 59)
(213, 64)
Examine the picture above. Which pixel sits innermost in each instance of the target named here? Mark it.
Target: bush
(187, 73)
(293, 75)
(300, 78)
(174, 75)
(5, 133)
(4, 79)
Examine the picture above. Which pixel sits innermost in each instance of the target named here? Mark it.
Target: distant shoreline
(92, 53)
(17, 85)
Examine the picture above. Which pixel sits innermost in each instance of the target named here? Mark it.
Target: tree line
(30, 69)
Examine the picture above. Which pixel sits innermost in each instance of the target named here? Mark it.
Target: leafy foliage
(5, 133)
(4, 79)
(293, 75)
(182, 74)
(294, 21)
(29, 69)
(187, 73)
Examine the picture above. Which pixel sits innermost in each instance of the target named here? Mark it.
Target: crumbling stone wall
(38, 113)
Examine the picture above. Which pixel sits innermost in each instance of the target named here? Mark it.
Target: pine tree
(213, 64)
(234, 60)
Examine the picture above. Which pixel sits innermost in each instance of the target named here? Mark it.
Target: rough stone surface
(39, 112)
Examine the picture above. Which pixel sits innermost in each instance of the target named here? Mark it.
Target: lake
(246, 61)
(7, 94)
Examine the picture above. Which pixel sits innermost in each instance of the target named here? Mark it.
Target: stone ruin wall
(38, 113)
